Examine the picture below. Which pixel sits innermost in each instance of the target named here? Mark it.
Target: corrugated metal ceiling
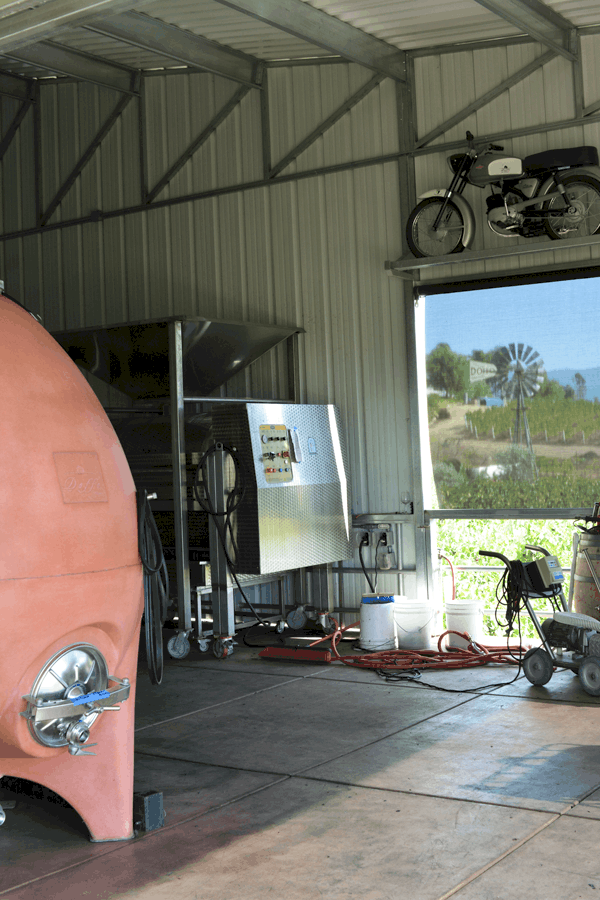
(406, 25)
(409, 24)
(232, 29)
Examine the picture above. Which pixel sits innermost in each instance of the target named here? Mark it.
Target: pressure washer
(570, 640)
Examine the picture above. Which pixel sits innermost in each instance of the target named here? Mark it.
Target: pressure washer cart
(570, 640)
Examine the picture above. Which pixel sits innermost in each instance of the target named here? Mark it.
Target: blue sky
(561, 320)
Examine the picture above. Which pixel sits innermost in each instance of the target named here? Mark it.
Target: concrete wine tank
(71, 592)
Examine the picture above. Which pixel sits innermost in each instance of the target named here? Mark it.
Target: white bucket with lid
(377, 627)
(466, 616)
(416, 622)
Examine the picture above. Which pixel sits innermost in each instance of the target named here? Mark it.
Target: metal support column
(418, 432)
(180, 497)
(220, 577)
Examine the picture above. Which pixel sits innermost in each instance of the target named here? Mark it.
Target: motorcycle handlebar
(471, 141)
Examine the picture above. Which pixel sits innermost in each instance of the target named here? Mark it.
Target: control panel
(276, 455)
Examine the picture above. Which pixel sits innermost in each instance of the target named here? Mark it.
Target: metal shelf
(404, 267)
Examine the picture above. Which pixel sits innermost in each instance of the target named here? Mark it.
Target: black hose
(223, 518)
(156, 587)
(364, 541)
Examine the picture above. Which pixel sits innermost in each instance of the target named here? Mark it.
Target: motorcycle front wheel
(421, 237)
(582, 216)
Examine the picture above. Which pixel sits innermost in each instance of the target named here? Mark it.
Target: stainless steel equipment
(293, 518)
(296, 511)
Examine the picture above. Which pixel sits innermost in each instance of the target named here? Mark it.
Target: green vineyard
(497, 493)
(548, 419)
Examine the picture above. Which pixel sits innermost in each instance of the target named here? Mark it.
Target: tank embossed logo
(80, 477)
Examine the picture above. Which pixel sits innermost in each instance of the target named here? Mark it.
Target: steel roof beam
(15, 124)
(14, 86)
(464, 46)
(328, 123)
(539, 21)
(85, 157)
(199, 141)
(482, 101)
(31, 25)
(316, 27)
(62, 60)
(190, 49)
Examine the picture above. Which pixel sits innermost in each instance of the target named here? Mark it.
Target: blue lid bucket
(377, 625)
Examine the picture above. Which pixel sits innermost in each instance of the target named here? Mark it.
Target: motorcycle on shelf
(556, 192)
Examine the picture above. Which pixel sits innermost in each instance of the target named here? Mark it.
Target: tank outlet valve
(71, 691)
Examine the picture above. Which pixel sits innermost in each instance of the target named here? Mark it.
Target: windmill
(521, 373)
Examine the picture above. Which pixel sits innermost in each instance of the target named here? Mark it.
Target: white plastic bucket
(466, 616)
(377, 627)
(415, 623)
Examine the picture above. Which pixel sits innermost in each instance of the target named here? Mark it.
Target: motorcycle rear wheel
(448, 238)
(582, 219)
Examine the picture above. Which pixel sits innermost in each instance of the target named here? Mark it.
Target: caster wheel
(178, 646)
(280, 627)
(328, 623)
(203, 645)
(222, 648)
(297, 618)
(589, 675)
(537, 666)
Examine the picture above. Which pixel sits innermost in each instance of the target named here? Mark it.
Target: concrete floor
(290, 781)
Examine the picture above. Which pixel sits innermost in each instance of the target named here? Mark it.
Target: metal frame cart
(569, 640)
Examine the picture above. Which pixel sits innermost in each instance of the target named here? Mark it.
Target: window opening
(513, 396)
(513, 406)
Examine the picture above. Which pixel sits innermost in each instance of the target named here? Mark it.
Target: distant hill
(592, 380)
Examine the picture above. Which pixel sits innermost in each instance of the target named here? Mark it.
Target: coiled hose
(156, 586)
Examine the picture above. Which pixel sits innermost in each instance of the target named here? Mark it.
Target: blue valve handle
(89, 698)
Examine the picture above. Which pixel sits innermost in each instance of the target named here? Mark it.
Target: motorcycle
(556, 192)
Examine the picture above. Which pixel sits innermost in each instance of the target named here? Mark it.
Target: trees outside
(446, 370)
(580, 386)
(551, 389)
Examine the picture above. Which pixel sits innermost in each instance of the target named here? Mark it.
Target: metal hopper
(135, 358)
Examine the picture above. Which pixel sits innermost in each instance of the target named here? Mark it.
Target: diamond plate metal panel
(305, 522)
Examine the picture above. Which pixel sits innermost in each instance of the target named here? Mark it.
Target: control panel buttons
(277, 456)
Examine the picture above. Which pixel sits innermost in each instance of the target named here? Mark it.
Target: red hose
(454, 658)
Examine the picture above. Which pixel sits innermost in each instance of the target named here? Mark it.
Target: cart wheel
(537, 666)
(589, 675)
(222, 647)
(178, 646)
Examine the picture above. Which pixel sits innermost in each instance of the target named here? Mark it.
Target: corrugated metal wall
(308, 253)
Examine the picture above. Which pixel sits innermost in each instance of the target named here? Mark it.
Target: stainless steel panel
(304, 522)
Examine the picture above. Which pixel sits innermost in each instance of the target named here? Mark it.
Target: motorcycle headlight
(455, 161)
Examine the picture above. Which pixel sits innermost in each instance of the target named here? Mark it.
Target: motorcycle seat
(558, 159)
